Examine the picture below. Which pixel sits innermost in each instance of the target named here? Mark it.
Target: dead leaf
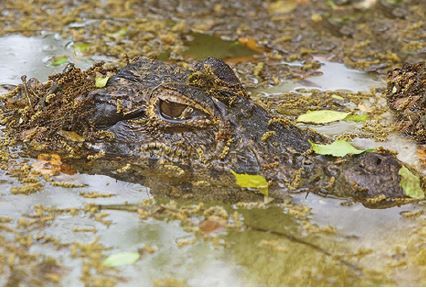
(212, 224)
(47, 164)
(51, 165)
(251, 44)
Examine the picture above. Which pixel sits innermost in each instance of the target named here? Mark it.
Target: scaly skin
(406, 93)
(182, 127)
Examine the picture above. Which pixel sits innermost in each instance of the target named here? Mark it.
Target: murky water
(282, 245)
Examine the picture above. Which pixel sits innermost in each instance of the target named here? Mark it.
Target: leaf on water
(322, 116)
(357, 117)
(252, 181)
(338, 148)
(101, 82)
(81, 46)
(120, 259)
(59, 60)
(410, 183)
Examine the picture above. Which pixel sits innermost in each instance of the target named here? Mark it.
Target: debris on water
(31, 232)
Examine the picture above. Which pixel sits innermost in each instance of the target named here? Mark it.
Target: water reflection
(30, 56)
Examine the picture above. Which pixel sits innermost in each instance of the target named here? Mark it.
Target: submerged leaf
(71, 136)
(81, 46)
(252, 181)
(322, 116)
(410, 183)
(338, 148)
(101, 82)
(59, 60)
(120, 259)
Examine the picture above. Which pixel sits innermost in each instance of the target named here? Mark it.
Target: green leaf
(357, 117)
(410, 183)
(81, 46)
(252, 181)
(337, 97)
(338, 148)
(120, 259)
(100, 82)
(322, 116)
(59, 60)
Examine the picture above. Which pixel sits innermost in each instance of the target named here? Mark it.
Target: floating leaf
(338, 148)
(252, 181)
(357, 117)
(59, 60)
(120, 259)
(100, 82)
(81, 46)
(410, 183)
(322, 116)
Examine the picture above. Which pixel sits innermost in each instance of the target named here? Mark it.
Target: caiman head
(194, 119)
(194, 125)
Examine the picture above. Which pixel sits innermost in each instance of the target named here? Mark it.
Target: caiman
(188, 129)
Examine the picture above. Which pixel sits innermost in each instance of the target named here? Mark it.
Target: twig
(311, 245)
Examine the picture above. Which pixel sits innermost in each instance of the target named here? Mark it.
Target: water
(263, 254)
(200, 46)
(31, 56)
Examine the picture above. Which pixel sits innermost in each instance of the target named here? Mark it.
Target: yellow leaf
(410, 183)
(322, 116)
(252, 181)
(101, 82)
(120, 259)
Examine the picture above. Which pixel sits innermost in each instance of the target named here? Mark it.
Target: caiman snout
(371, 178)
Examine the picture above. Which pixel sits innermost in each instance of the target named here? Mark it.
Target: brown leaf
(48, 164)
(212, 224)
(251, 44)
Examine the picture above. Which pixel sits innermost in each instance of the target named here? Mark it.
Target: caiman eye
(177, 111)
(172, 110)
